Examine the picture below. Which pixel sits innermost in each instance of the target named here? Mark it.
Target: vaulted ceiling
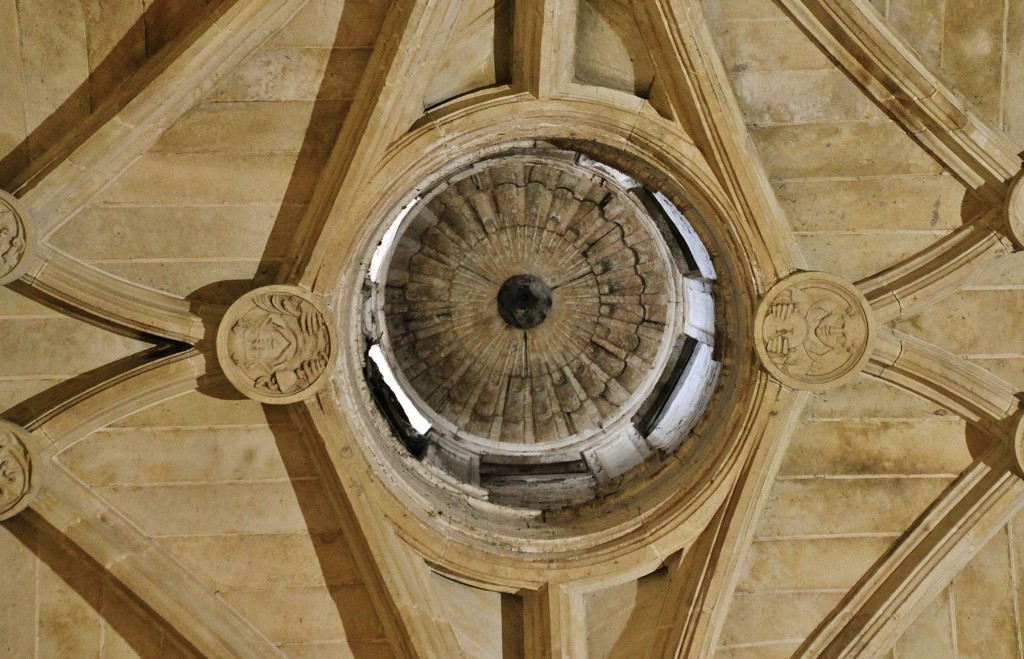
(173, 155)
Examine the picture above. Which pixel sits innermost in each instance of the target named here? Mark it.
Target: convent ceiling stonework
(511, 328)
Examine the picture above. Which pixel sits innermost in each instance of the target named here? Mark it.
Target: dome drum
(534, 311)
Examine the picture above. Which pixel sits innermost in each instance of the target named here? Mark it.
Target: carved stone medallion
(17, 470)
(15, 239)
(276, 344)
(1018, 445)
(813, 331)
(1015, 209)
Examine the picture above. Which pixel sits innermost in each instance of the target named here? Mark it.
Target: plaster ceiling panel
(610, 50)
(477, 54)
(229, 491)
(238, 169)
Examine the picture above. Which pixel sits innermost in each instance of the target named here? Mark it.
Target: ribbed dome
(552, 234)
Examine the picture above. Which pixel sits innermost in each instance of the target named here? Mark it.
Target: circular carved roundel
(527, 302)
(1015, 209)
(276, 344)
(15, 239)
(17, 465)
(813, 331)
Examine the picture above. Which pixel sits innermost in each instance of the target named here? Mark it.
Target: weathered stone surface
(986, 620)
(810, 507)
(872, 148)
(761, 617)
(931, 635)
(972, 53)
(882, 446)
(204, 207)
(477, 54)
(807, 565)
(610, 50)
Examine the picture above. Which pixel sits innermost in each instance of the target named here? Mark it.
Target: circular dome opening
(540, 327)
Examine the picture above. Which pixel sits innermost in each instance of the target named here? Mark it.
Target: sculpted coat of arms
(14, 239)
(275, 344)
(813, 331)
(17, 485)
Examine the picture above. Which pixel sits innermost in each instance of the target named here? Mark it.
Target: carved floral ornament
(17, 470)
(276, 344)
(15, 239)
(813, 331)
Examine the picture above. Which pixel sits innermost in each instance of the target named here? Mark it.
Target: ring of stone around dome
(529, 301)
(18, 480)
(17, 239)
(813, 331)
(276, 344)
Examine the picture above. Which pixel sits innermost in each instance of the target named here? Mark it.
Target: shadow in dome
(335, 535)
